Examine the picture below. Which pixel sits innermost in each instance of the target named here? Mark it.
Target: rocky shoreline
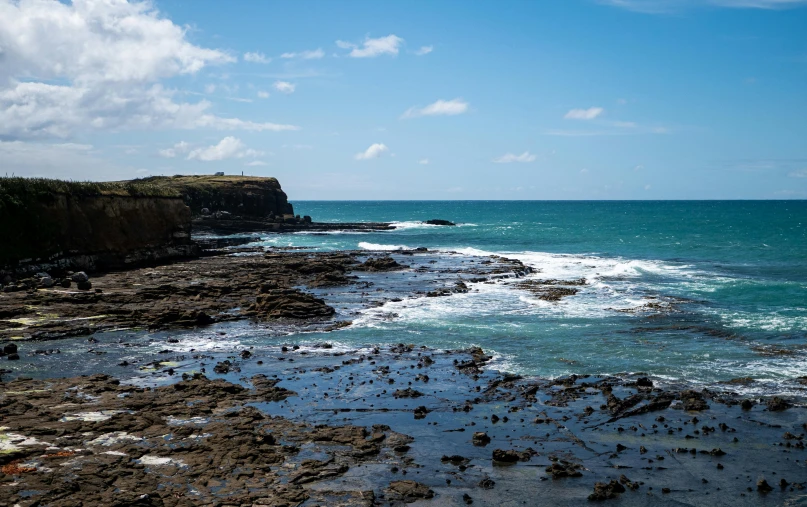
(290, 424)
(391, 426)
(225, 284)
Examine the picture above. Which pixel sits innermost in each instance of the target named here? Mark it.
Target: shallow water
(734, 273)
(738, 266)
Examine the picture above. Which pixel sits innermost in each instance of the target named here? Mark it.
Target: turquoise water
(735, 272)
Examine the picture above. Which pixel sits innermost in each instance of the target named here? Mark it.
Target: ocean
(734, 272)
(691, 293)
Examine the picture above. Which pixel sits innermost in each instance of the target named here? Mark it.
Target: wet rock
(437, 221)
(289, 304)
(80, 277)
(334, 279)
(14, 357)
(747, 404)
(9, 348)
(66, 283)
(693, 400)
(455, 460)
(487, 483)
(381, 264)
(603, 491)
(408, 491)
(777, 404)
(510, 456)
(407, 393)
(763, 486)
(480, 438)
(564, 469)
(223, 367)
(86, 285)
(421, 412)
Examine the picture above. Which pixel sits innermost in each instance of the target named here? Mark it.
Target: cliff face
(240, 195)
(89, 232)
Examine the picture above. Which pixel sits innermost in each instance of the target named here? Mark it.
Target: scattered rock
(603, 491)
(408, 491)
(777, 404)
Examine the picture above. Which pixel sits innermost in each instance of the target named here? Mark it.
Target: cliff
(248, 196)
(90, 225)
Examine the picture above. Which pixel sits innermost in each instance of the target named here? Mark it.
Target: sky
(538, 99)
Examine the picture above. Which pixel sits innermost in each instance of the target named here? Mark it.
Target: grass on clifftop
(19, 192)
(206, 182)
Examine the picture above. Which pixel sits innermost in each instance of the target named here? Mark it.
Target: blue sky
(573, 99)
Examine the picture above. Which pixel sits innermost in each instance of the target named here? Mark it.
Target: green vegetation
(18, 192)
(208, 183)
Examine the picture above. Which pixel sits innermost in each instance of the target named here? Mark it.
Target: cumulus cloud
(439, 108)
(284, 87)
(263, 95)
(389, 45)
(256, 58)
(98, 65)
(424, 50)
(374, 151)
(312, 54)
(179, 148)
(229, 147)
(510, 158)
(584, 114)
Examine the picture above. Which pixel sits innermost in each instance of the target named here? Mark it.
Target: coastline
(389, 426)
(359, 426)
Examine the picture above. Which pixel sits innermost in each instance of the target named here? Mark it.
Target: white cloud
(647, 187)
(178, 149)
(439, 108)
(93, 65)
(668, 6)
(229, 147)
(625, 124)
(802, 173)
(510, 158)
(424, 50)
(312, 54)
(64, 160)
(256, 58)
(388, 45)
(211, 88)
(423, 161)
(263, 95)
(584, 114)
(256, 163)
(284, 87)
(374, 151)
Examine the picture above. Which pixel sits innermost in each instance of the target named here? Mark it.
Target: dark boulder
(408, 491)
(381, 264)
(289, 304)
(437, 221)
